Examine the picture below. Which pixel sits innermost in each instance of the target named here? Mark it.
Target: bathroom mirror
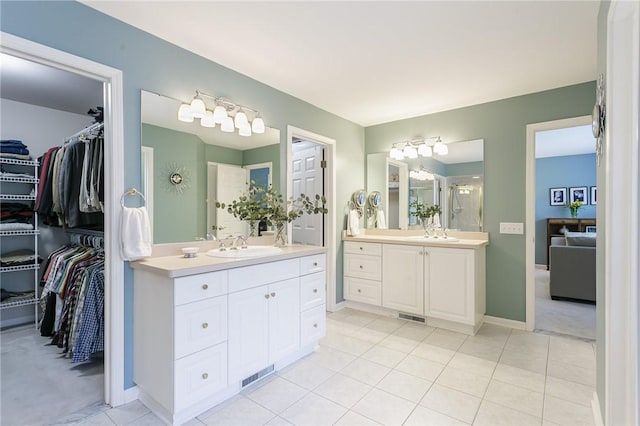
(453, 181)
(210, 163)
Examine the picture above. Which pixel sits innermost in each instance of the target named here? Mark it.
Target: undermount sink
(243, 253)
(433, 239)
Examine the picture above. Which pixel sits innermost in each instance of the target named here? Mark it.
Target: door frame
(114, 353)
(330, 228)
(530, 206)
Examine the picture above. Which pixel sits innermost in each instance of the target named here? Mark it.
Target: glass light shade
(227, 125)
(208, 120)
(444, 150)
(440, 148)
(245, 130)
(410, 152)
(425, 150)
(198, 109)
(257, 126)
(394, 153)
(241, 119)
(184, 113)
(219, 114)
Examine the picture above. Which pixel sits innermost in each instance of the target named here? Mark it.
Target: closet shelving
(24, 180)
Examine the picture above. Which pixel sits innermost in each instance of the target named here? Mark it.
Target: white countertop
(178, 266)
(474, 243)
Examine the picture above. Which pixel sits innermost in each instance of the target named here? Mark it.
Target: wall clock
(178, 178)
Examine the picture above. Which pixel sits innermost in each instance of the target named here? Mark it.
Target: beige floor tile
(433, 353)
(569, 391)
(365, 371)
(314, 410)
(445, 339)
(464, 381)
(473, 364)
(343, 390)
(515, 397)
(307, 374)
(348, 344)
(342, 327)
(331, 358)
(417, 332)
(149, 419)
(277, 395)
(398, 343)
(239, 411)
(128, 412)
(531, 361)
(100, 419)
(566, 413)
(385, 356)
(351, 418)
(452, 403)
(385, 325)
(278, 421)
(423, 416)
(404, 385)
(519, 377)
(371, 336)
(193, 422)
(384, 408)
(572, 373)
(481, 350)
(528, 342)
(420, 367)
(492, 414)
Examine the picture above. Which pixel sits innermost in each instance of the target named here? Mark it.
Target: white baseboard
(338, 306)
(131, 394)
(597, 412)
(517, 325)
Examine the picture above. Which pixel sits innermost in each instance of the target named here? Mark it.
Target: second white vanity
(206, 327)
(440, 283)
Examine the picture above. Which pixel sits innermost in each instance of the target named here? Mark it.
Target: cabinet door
(449, 284)
(284, 318)
(248, 332)
(403, 278)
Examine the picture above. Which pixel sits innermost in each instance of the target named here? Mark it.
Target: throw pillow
(585, 239)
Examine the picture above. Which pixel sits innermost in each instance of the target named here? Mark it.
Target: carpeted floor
(560, 317)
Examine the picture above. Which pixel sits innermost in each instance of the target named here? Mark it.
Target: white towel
(135, 233)
(436, 220)
(381, 221)
(353, 224)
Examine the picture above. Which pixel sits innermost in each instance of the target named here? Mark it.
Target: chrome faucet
(235, 242)
(211, 237)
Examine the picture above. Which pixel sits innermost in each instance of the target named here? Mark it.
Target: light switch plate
(511, 228)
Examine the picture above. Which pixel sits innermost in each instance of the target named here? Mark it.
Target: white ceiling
(569, 141)
(373, 62)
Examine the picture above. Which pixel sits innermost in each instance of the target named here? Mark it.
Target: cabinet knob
(273, 294)
(361, 248)
(205, 325)
(360, 266)
(266, 296)
(315, 325)
(205, 286)
(315, 263)
(205, 376)
(359, 291)
(315, 290)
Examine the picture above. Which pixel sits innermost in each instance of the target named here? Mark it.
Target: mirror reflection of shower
(464, 202)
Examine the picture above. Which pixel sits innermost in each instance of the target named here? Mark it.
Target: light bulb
(245, 130)
(197, 107)
(395, 153)
(227, 125)
(208, 120)
(425, 150)
(219, 114)
(184, 113)
(410, 152)
(444, 150)
(257, 125)
(241, 119)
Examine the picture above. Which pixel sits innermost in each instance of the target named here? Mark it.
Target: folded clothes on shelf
(18, 258)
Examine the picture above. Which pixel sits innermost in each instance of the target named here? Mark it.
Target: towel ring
(132, 192)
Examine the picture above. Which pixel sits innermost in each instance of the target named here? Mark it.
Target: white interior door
(307, 178)
(231, 182)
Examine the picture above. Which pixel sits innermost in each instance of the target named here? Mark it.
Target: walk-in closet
(52, 243)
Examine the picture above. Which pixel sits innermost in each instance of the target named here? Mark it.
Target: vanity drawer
(313, 325)
(264, 273)
(199, 287)
(371, 249)
(312, 290)
(200, 375)
(199, 325)
(312, 264)
(361, 266)
(364, 291)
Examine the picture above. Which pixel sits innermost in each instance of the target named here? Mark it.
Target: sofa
(572, 268)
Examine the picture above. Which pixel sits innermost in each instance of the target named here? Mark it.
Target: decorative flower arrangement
(574, 207)
(424, 212)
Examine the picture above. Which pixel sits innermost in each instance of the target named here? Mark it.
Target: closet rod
(80, 231)
(85, 131)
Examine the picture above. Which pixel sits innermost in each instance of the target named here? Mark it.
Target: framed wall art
(557, 196)
(578, 194)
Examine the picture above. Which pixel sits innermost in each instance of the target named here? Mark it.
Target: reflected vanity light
(413, 148)
(229, 115)
(421, 174)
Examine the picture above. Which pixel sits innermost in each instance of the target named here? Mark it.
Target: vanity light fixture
(229, 115)
(415, 147)
(421, 174)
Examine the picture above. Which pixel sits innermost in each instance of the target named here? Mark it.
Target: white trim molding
(503, 322)
(330, 193)
(621, 207)
(114, 174)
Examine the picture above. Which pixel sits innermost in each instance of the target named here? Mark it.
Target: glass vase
(280, 234)
(253, 228)
(574, 212)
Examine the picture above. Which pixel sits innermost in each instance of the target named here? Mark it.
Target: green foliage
(424, 212)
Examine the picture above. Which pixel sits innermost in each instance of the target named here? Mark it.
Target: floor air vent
(260, 374)
(411, 318)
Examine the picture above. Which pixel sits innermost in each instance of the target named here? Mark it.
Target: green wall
(502, 125)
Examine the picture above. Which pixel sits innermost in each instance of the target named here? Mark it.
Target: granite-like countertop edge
(461, 243)
(179, 266)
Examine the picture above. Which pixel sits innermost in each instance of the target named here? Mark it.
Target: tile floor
(375, 370)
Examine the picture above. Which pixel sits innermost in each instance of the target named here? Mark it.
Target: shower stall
(464, 203)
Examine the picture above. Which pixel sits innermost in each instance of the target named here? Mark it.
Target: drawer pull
(315, 325)
(205, 286)
(205, 325)
(315, 263)
(315, 290)
(273, 294)
(205, 376)
(266, 296)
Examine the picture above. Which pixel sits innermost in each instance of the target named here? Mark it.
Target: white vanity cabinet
(198, 339)
(363, 272)
(403, 278)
